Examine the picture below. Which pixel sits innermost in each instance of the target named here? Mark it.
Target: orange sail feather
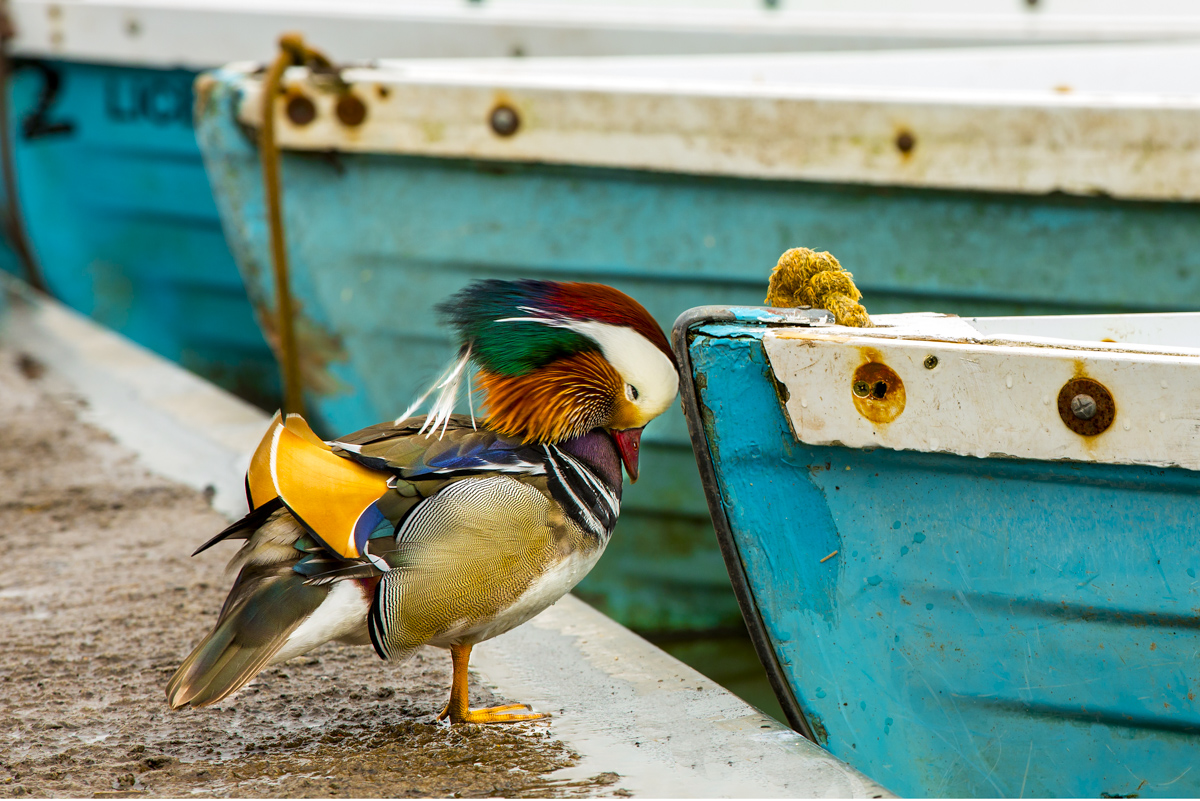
(331, 496)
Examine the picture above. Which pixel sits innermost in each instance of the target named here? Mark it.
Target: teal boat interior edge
(121, 218)
(681, 333)
(954, 626)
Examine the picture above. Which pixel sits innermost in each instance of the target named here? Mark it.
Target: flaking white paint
(996, 395)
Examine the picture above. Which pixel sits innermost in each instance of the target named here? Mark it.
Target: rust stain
(877, 392)
(505, 117)
(350, 110)
(298, 107)
(317, 347)
(808, 336)
(1106, 407)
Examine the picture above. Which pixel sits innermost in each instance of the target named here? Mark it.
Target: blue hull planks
(374, 240)
(122, 220)
(995, 627)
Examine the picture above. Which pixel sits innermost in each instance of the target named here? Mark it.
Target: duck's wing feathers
(463, 449)
(362, 486)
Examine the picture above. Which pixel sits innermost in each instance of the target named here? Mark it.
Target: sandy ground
(99, 602)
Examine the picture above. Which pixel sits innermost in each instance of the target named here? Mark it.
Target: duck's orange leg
(459, 710)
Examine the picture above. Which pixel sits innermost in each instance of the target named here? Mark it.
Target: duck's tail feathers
(245, 640)
(242, 529)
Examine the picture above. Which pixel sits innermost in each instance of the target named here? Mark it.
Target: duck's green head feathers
(556, 360)
(503, 323)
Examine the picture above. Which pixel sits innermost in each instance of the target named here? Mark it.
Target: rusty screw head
(504, 120)
(1083, 406)
(300, 110)
(877, 392)
(350, 110)
(931, 362)
(1086, 406)
(905, 142)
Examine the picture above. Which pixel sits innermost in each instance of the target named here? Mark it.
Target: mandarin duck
(444, 529)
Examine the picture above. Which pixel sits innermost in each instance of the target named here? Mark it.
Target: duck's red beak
(628, 443)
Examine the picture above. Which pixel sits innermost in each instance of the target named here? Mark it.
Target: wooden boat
(110, 184)
(680, 181)
(965, 546)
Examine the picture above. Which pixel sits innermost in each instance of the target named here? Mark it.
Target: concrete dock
(627, 719)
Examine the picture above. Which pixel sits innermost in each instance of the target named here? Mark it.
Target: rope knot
(806, 277)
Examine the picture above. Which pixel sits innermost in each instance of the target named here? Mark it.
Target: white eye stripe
(650, 378)
(640, 363)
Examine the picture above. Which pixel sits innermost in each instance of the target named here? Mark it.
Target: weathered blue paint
(119, 212)
(988, 627)
(375, 239)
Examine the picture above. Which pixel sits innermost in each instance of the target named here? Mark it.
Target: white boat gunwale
(994, 394)
(205, 33)
(1119, 144)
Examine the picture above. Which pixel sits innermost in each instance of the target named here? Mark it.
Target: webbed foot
(494, 714)
(457, 711)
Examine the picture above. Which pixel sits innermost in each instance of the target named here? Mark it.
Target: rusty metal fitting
(504, 120)
(350, 110)
(877, 392)
(1086, 406)
(1083, 406)
(300, 109)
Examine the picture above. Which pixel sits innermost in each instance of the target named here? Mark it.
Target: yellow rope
(805, 277)
(292, 52)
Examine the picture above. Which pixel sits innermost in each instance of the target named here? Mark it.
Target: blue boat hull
(119, 213)
(995, 627)
(376, 240)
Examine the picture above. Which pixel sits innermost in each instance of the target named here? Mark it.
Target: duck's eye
(631, 392)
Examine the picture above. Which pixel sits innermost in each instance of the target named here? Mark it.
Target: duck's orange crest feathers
(564, 399)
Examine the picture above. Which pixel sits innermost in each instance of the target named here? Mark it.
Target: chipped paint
(992, 396)
(978, 603)
(875, 389)
(749, 119)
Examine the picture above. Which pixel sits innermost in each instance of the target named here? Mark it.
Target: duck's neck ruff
(565, 399)
(590, 497)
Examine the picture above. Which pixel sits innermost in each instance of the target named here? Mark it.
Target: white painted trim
(986, 120)
(206, 33)
(995, 394)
